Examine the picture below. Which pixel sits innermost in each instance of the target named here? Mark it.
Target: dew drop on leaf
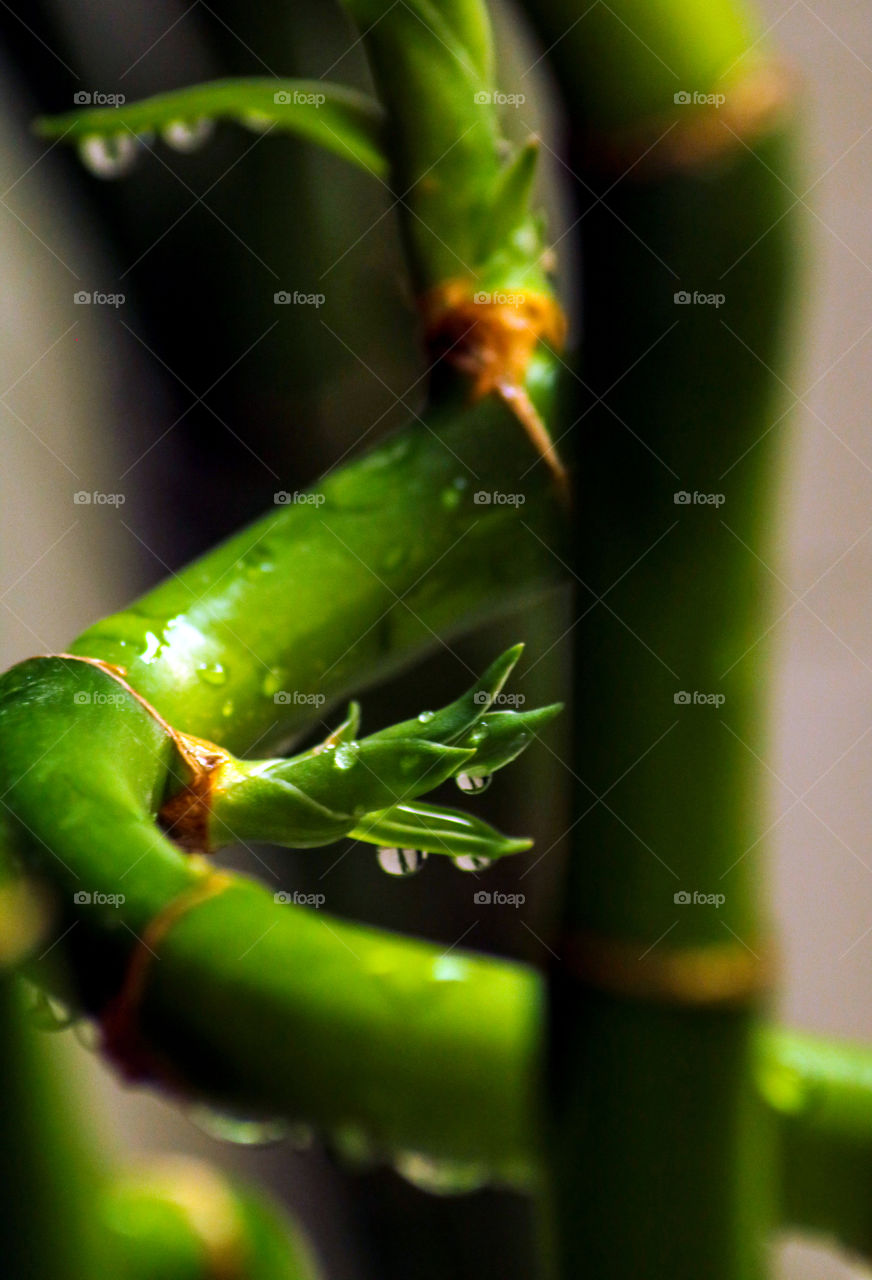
(345, 756)
(401, 862)
(48, 1014)
(472, 862)
(187, 135)
(108, 157)
(471, 783)
(240, 1130)
(439, 1177)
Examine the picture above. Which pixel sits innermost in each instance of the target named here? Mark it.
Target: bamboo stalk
(661, 1154)
(820, 1094)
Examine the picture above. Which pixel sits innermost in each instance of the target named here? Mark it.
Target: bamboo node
(122, 1038)
(490, 338)
(701, 129)
(185, 815)
(722, 973)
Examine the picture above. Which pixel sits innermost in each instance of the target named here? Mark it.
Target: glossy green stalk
(256, 1005)
(820, 1093)
(47, 1227)
(662, 1158)
(464, 195)
(177, 1220)
(338, 587)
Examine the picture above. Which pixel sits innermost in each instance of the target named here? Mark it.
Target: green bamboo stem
(309, 1018)
(330, 593)
(301, 1015)
(661, 1155)
(820, 1094)
(178, 1220)
(464, 206)
(48, 1226)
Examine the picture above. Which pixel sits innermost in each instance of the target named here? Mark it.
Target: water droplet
(426, 716)
(450, 499)
(472, 862)
(471, 783)
(243, 1131)
(187, 135)
(108, 157)
(401, 862)
(439, 1177)
(227, 709)
(48, 1014)
(212, 673)
(345, 756)
(88, 1034)
(272, 682)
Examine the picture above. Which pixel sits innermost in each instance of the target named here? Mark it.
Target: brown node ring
(696, 135)
(122, 1037)
(713, 975)
(185, 815)
(491, 342)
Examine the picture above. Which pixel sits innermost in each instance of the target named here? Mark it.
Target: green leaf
(337, 118)
(501, 736)
(458, 717)
(317, 798)
(345, 732)
(510, 200)
(434, 829)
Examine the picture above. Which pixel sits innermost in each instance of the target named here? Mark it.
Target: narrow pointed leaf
(315, 799)
(434, 829)
(449, 723)
(510, 200)
(345, 732)
(337, 118)
(501, 736)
